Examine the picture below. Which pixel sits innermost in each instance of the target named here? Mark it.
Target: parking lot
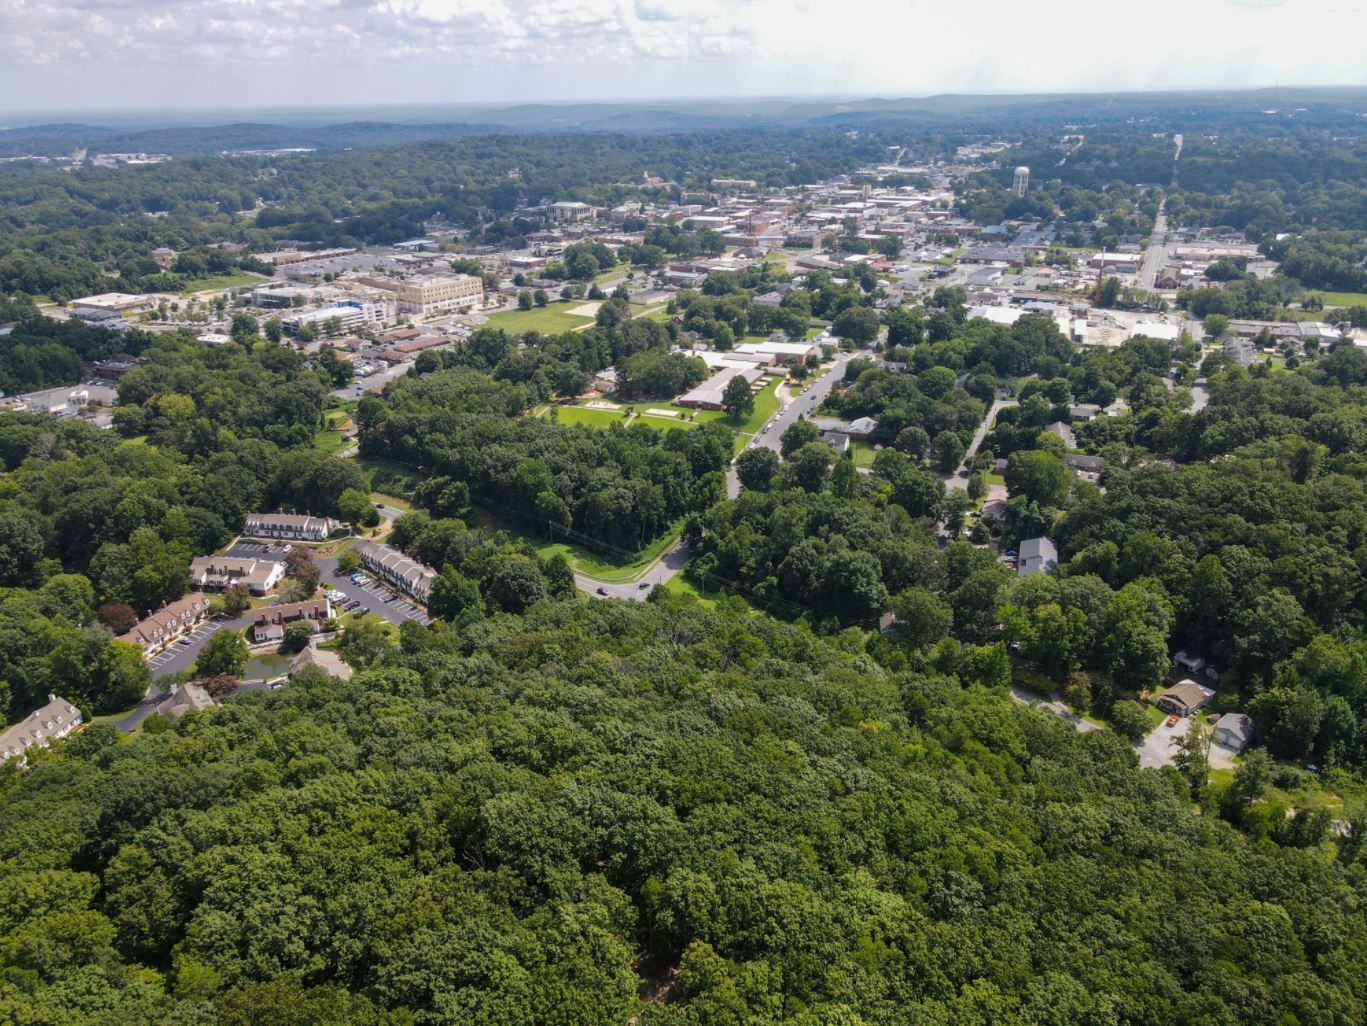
(181, 653)
(371, 596)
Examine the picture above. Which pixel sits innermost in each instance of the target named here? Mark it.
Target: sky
(104, 54)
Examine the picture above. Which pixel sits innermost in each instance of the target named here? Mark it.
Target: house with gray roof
(1232, 730)
(1037, 556)
(185, 698)
(39, 728)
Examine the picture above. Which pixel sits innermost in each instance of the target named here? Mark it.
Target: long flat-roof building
(117, 302)
(709, 395)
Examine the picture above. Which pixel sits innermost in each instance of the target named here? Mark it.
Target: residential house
(858, 430)
(185, 698)
(271, 621)
(406, 574)
(157, 630)
(1233, 730)
(57, 719)
(324, 659)
(1185, 697)
(1037, 556)
(214, 573)
(289, 526)
(837, 440)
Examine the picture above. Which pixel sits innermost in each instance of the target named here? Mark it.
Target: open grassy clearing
(1341, 299)
(217, 282)
(608, 569)
(571, 415)
(390, 478)
(864, 453)
(551, 320)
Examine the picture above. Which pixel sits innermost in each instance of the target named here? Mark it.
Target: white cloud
(77, 53)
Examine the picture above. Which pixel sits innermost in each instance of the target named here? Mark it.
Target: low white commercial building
(709, 395)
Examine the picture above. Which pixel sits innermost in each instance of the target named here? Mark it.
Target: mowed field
(217, 282)
(550, 320)
(1341, 299)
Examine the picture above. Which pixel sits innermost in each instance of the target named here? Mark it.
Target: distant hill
(209, 132)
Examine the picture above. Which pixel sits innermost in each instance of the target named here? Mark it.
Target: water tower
(1022, 181)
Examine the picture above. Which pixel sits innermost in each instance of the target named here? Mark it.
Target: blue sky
(72, 54)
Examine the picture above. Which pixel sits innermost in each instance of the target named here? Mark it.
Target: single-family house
(1232, 730)
(324, 659)
(837, 440)
(1185, 697)
(185, 698)
(1190, 663)
(1037, 556)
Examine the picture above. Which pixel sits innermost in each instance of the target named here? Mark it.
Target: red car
(1172, 720)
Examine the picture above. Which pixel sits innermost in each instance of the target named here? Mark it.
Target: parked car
(1172, 720)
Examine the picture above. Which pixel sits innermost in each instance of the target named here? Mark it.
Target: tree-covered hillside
(688, 815)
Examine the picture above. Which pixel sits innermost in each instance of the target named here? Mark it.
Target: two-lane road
(1157, 252)
(807, 403)
(676, 558)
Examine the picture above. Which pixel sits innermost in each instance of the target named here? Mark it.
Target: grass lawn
(864, 453)
(388, 477)
(766, 405)
(568, 415)
(351, 619)
(330, 442)
(658, 314)
(216, 282)
(665, 423)
(612, 272)
(676, 585)
(1341, 298)
(552, 319)
(591, 564)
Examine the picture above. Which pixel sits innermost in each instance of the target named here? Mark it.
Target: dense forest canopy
(533, 819)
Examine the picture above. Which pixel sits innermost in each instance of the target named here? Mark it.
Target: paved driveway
(1159, 746)
(1053, 705)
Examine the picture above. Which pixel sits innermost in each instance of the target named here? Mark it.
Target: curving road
(676, 558)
